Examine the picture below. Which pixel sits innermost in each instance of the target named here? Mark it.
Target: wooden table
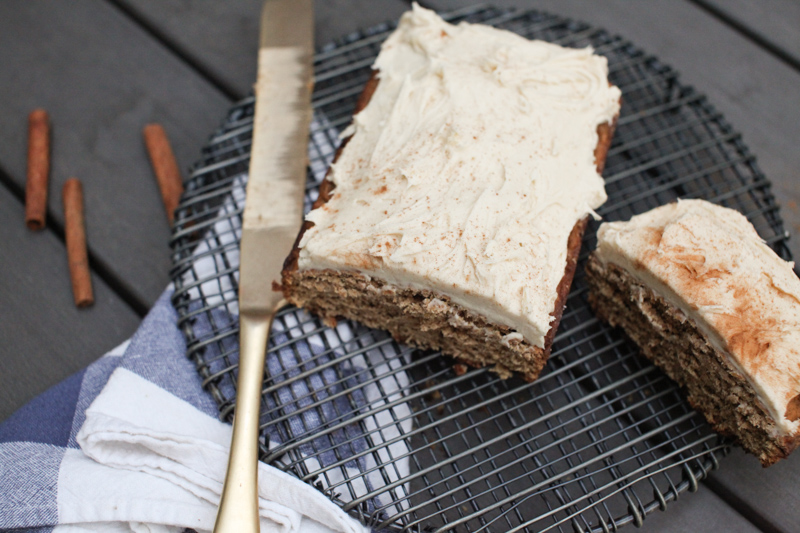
(105, 68)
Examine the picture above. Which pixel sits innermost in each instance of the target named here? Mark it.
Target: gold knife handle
(238, 507)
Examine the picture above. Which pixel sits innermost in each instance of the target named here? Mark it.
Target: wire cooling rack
(396, 437)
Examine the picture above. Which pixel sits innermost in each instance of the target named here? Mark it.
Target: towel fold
(145, 451)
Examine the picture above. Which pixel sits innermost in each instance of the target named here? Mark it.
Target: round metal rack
(396, 437)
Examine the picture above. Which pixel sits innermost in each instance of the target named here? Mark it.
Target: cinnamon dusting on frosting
(748, 330)
(793, 409)
(710, 263)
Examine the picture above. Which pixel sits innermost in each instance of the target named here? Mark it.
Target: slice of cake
(714, 307)
(453, 212)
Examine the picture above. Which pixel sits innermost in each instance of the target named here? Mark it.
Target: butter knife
(272, 217)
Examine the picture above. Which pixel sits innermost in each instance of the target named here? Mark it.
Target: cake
(453, 212)
(695, 287)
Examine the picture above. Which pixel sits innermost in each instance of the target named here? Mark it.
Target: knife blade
(271, 221)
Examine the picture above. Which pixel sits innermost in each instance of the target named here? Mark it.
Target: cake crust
(420, 317)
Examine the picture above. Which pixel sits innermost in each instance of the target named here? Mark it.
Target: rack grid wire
(397, 437)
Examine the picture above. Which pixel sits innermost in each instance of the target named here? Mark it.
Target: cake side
(421, 315)
(427, 319)
(704, 298)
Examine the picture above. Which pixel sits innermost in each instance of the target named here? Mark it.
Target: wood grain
(774, 21)
(701, 512)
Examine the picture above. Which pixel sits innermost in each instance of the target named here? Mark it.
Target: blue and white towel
(133, 443)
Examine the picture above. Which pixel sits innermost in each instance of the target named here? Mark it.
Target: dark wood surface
(105, 68)
(44, 336)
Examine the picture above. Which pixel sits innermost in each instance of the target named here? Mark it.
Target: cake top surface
(468, 169)
(710, 262)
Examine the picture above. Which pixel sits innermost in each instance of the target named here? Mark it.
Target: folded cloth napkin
(133, 443)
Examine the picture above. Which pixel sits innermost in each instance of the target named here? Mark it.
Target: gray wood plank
(102, 78)
(336, 18)
(222, 37)
(45, 338)
(776, 22)
(769, 497)
(755, 91)
(701, 512)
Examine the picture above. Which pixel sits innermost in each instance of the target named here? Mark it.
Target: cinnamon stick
(165, 167)
(75, 231)
(38, 169)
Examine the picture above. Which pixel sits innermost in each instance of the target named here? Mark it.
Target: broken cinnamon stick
(38, 169)
(75, 232)
(165, 167)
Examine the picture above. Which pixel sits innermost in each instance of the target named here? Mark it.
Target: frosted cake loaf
(453, 212)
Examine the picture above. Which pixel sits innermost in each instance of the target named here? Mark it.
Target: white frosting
(468, 169)
(709, 262)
